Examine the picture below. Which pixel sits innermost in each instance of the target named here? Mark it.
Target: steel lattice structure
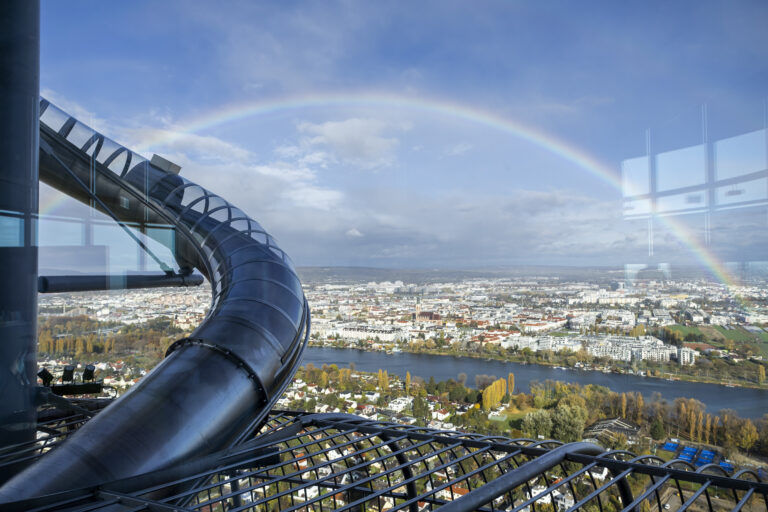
(198, 432)
(320, 462)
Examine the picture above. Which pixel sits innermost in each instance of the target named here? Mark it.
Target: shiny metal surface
(59, 284)
(303, 461)
(214, 387)
(19, 89)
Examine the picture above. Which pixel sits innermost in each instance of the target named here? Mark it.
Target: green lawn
(741, 335)
(737, 334)
(685, 330)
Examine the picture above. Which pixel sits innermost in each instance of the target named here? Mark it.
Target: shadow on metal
(215, 387)
(300, 461)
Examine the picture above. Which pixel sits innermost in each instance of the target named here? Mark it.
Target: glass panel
(106, 150)
(240, 225)
(221, 214)
(682, 202)
(164, 235)
(216, 202)
(136, 159)
(75, 239)
(80, 134)
(92, 148)
(53, 118)
(54, 230)
(741, 155)
(191, 194)
(11, 230)
(259, 236)
(746, 191)
(637, 207)
(635, 176)
(289, 262)
(237, 213)
(118, 163)
(255, 226)
(681, 168)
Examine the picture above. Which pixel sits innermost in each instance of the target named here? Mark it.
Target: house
(607, 431)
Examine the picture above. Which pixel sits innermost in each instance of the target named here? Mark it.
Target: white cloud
(364, 143)
(354, 233)
(459, 149)
(80, 113)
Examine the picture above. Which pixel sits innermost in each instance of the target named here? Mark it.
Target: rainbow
(546, 141)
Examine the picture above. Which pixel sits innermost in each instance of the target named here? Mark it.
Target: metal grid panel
(321, 462)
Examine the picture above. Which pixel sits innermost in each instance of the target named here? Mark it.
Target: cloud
(459, 149)
(80, 112)
(354, 233)
(364, 143)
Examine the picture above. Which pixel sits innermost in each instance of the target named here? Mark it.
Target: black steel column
(19, 107)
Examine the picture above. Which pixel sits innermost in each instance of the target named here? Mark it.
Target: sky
(431, 134)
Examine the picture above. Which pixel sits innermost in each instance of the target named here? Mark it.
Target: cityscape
(697, 331)
(368, 257)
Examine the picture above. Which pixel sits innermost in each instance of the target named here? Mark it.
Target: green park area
(722, 337)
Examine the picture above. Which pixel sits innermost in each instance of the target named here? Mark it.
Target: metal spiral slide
(216, 386)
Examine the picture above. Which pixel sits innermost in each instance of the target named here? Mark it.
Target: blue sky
(389, 185)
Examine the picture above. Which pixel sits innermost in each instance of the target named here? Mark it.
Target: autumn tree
(747, 435)
(407, 383)
(707, 428)
(760, 374)
(511, 383)
(639, 407)
(623, 405)
(493, 394)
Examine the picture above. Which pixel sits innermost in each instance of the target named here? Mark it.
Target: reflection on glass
(741, 155)
(635, 176)
(681, 168)
(745, 191)
(55, 230)
(682, 202)
(637, 207)
(11, 230)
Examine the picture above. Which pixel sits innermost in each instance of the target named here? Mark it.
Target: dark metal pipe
(213, 387)
(58, 284)
(19, 89)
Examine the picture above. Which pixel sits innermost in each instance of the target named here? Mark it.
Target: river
(747, 402)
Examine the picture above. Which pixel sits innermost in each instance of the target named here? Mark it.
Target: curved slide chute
(213, 388)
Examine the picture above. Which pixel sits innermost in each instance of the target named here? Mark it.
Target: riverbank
(747, 402)
(667, 376)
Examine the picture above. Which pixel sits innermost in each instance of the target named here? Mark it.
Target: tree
(420, 408)
(538, 423)
(623, 405)
(79, 347)
(700, 426)
(707, 428)
(568, 422)
(760, 374)
(639, 407)
(408, 383)
(511, 383)
(657, 429)
(747, 435)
